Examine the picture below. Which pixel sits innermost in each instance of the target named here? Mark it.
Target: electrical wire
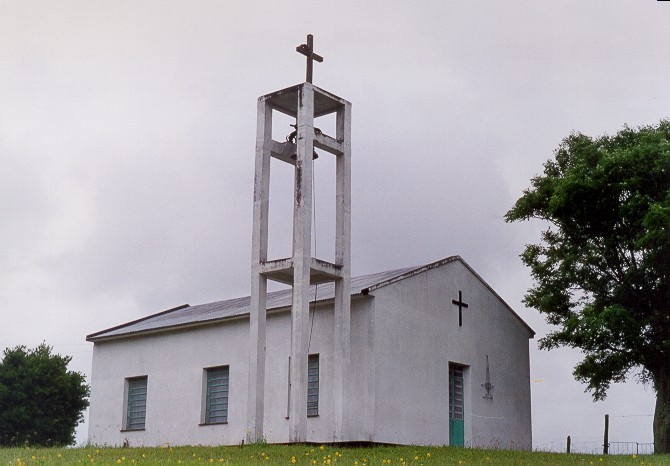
(316, 286)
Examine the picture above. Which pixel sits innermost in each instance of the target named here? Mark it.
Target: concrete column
(259, 249)
(342, 340)
(302, 234)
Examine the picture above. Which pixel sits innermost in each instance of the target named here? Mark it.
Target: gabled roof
(202, 314)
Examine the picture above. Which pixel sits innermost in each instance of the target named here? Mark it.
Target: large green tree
(602, 269)
(41, 402)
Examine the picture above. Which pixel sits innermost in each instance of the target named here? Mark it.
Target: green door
(456, 423)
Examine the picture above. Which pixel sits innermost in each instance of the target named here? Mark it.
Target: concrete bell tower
(304, 102)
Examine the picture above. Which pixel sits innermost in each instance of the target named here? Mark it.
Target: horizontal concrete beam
(281, 270)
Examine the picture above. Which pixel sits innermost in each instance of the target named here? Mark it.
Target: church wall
(410, 379)
(419, 335)
(320, 429)
(173, 363)
(360, 390)
(505, 420)
(276, 427)
(403, 337)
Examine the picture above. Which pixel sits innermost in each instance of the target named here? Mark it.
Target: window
(136, 403)
(216, 395)
(455, 392)
(313, 385)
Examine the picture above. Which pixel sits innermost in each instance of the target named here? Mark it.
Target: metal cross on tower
(308, 51)
(460, 305)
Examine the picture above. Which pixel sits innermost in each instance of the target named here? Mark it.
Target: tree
(41, 402)
(602, 270)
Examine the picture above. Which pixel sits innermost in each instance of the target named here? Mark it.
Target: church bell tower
(304, 102)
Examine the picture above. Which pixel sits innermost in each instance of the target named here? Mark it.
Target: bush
(41, 402)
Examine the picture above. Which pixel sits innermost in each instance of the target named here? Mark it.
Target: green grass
(309, 455)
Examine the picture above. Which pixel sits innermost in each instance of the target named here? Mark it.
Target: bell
(292, 137)
(315, 156)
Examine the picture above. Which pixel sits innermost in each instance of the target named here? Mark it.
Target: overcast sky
(127, 134)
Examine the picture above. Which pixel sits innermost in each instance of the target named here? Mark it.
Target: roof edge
(200, 323)
(439, 263)
(416, 271)
(93, 336)
(495, 293)
(99, 336)
(167, 329)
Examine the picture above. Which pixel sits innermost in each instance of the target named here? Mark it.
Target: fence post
(568, 444)
(606, 445)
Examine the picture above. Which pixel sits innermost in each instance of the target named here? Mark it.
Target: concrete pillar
(342, 340)
(259, 250)
(302, 260)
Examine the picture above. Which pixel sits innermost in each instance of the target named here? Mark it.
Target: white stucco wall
(418, 336)
(403, 337)
(174, 363)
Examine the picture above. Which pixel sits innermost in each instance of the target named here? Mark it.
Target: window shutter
(137, 403)
(455, 392)
(313, 385)
(216, 409)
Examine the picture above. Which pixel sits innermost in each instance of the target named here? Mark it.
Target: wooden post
(568, 444)
(606, 445)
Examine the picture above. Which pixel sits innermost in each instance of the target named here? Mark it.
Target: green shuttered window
(216, 402)
(313, 385)
(137, 403)
(455, 392)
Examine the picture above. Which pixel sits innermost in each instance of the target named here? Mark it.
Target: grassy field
(309, 455)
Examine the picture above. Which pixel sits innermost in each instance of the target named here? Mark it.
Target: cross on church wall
(308, 51)
(460, 305)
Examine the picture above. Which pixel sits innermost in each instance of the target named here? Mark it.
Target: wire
(316, 286)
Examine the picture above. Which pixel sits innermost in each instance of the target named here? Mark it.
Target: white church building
(418, 369)
(426, 355)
